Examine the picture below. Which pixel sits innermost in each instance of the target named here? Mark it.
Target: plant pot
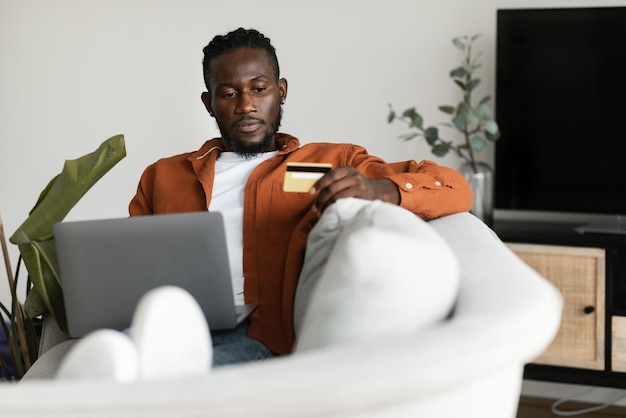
(481, 182)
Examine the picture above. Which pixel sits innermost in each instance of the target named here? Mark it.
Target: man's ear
(206, 99)
(282, 87)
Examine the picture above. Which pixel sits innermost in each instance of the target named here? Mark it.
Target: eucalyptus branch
(461, 154)
(464, 115)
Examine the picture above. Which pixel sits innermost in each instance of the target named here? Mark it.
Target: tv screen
(561, 107)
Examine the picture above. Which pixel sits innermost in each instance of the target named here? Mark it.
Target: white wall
(75, 72)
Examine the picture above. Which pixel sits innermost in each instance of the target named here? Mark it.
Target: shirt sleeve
(427, 189)
(432, 191)
(141, 202)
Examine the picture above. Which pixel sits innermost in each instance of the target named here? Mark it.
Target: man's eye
(229, 94)
(259, 89)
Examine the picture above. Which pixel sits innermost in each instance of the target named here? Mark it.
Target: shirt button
(408, 186)
(437, 183)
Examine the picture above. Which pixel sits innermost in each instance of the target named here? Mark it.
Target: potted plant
(35, 241)
(475, 123)
(19, 335)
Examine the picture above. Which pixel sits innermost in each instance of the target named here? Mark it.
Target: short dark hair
(237, 39)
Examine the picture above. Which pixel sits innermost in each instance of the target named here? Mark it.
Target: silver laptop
(107, 265)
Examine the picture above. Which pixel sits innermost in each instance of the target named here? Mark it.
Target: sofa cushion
(372, 270)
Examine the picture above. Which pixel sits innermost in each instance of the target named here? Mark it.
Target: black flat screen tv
(561, 106)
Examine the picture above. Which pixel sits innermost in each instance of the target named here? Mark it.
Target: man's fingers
(337, 184)
(331, 177)
(349, 182)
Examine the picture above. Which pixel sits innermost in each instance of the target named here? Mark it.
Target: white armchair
(470, 365)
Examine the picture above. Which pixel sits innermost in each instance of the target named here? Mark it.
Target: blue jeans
(233, 346)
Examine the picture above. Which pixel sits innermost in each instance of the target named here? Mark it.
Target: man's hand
(347, 181)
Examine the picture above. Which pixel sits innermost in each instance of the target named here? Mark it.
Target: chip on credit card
(300, 177)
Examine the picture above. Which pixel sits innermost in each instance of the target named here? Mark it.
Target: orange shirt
(276, 224)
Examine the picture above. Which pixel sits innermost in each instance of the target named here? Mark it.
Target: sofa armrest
(53, 346)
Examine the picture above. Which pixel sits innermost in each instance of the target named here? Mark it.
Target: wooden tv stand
(590, 271)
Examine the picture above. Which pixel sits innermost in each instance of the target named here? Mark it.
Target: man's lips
(248, 125)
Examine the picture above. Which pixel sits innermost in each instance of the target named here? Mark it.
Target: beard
(247, 150)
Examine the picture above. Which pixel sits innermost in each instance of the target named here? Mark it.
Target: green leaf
(440, 150)
(492, 131)
(44, 193)
(415, 118)
(491, 127)
(34, 304)
(474, 37)
(65, 190)
(35, 236)
(473, 84)
(409, 136)
(432, 135)
(416, 122)
(477, 143)
(462, 109)
(409, 113)
(492, 137)
(447, 109)
(459, 72)
(391, 116)
(458, 42)
(40, 261)
(460, 84)
(471, 118)
(484, 112)
(467, 116)
(459, 123)
(484, 100)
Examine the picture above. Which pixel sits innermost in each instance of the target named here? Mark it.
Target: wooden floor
(540, 408)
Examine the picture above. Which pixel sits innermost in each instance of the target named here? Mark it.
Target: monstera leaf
(34, 237)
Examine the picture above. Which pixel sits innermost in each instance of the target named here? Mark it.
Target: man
(241, 174)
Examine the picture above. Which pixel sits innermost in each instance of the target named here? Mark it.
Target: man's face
(245, 100)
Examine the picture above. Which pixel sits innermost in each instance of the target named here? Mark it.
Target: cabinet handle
(589, 309)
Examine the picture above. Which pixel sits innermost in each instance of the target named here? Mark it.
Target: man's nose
(246, 103)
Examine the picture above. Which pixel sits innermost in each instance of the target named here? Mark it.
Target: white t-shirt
(231, 175)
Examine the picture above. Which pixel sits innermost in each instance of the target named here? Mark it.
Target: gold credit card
(300, 177)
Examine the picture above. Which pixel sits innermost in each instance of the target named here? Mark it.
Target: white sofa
(467, 366)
